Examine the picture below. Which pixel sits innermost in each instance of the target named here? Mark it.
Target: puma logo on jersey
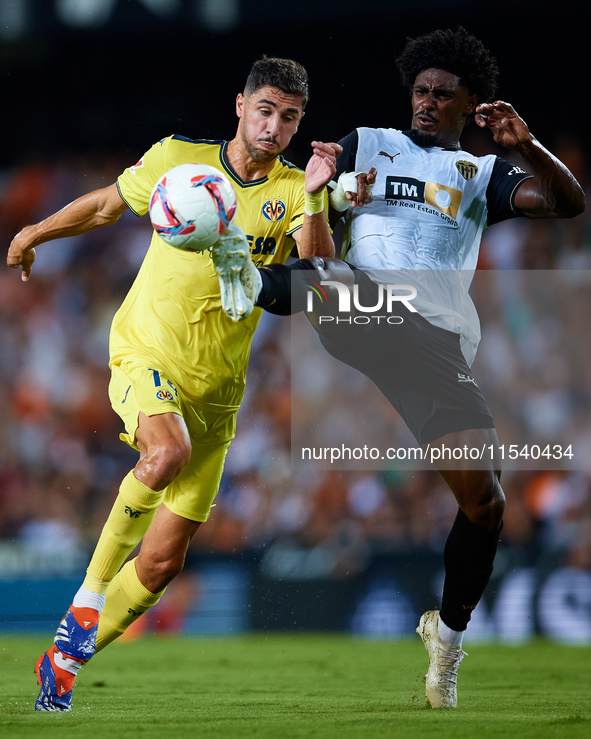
(390, 156)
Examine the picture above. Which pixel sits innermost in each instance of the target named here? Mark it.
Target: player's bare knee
(173, 458)
(486, 508)
(165, 461)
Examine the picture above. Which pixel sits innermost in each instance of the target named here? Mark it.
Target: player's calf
(290, 289)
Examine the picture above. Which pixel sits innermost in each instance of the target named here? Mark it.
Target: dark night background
(140, 76)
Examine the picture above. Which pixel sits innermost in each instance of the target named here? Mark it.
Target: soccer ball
(191, 206)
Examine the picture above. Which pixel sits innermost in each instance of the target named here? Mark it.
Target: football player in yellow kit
(178, 365)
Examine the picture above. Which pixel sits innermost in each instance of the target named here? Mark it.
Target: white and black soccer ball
(191, 206)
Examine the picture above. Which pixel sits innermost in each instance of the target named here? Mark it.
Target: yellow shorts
(134, 389)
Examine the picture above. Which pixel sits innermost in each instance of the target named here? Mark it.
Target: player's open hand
(365, 183)
(322, 166)
(20, 257)
(507, 127)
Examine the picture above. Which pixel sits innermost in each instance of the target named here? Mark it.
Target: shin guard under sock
(468, 557)
(126, 600)
(130, 518)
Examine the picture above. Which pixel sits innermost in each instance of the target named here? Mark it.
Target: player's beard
(256, 154)
(420, 138)
(427, 140)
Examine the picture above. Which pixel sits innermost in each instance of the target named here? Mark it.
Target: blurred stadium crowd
(61, 461)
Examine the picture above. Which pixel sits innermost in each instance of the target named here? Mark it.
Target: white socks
(85, 598)
(453, 639)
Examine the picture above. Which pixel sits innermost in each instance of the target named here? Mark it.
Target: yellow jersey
(172, 316)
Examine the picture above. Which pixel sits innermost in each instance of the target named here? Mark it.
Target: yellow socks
(94, 585)
(126, 597)
(126, 600)
(130, 518)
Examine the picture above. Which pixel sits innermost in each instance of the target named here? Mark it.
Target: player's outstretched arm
(554, 192)
(314, 239)
(98, 208)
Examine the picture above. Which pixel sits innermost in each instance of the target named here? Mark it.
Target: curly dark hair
(456, 52)
(285, 74)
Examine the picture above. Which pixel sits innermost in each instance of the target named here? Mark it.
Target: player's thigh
(135, 390)
(192, 493)
(163, 431)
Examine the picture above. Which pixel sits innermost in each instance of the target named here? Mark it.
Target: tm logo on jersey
(407, 189)
(274, 210)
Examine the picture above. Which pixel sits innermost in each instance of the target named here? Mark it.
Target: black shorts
(419, 367)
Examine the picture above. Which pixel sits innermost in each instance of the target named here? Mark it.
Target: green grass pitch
(313, 686)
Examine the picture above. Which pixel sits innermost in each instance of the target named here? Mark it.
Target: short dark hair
(285, 74)
(456, 52)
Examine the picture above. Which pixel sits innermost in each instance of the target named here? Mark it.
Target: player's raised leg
(277, 288)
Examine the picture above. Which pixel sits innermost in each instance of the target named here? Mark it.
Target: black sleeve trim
(505, 180)
(346, 161)
(135, 213)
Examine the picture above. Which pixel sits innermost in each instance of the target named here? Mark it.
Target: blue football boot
(56, 682)
(76, 634)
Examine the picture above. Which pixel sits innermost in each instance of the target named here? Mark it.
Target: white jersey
(429, 209)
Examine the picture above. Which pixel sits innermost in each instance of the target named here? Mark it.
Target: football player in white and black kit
(429, 205)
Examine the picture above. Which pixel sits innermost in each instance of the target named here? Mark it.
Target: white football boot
(240, 282)
(441, 680)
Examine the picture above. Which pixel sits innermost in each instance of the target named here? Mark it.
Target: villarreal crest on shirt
(172, 315)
